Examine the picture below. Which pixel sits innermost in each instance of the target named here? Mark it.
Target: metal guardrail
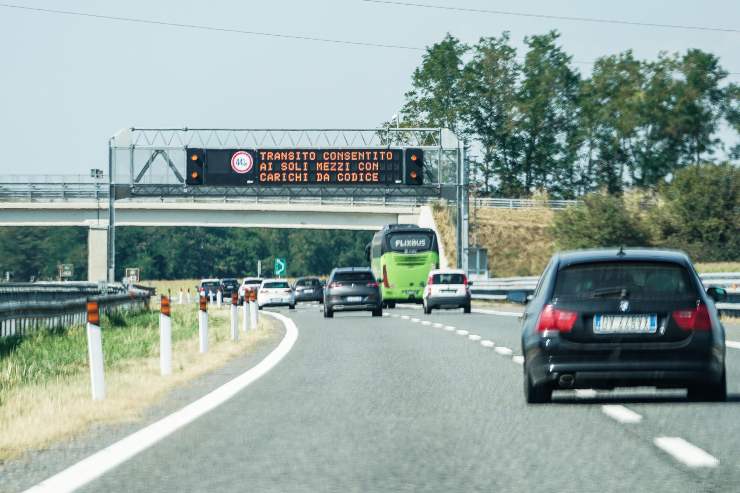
(27, 308)
(518, 289)
(503, 203)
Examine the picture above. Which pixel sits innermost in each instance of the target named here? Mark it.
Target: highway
(415, 402)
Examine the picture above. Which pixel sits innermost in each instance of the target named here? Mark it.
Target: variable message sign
(271, 167)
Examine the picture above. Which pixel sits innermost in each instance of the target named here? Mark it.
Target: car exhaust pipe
(566, 381)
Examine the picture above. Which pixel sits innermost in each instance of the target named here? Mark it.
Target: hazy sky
(68, 83)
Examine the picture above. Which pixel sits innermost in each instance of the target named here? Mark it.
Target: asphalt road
(415, 402)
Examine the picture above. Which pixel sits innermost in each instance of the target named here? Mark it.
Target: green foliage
(699, 212)
(36, 252)
(602, 221)
(539, 125)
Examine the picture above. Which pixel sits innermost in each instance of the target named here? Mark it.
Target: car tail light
(430, 281)
(385, 278)
(335, 285)
(693, 318)
(372, 284)
(465, 281)
(286, 290)
(558, 320)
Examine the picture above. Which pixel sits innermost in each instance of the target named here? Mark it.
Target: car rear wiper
(622, 292)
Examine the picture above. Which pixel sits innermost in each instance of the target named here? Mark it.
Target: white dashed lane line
(474, 337)
(503, 351)
(405, 317)
(621, 413)
(487, 343)
(685, 452)
(449, 328)
(426, 322)
(733, 344)
(461, 332)
(519, 360)
(438, 325)
(415, 320)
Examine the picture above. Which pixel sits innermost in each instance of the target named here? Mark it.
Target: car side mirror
(717, 294)
(470, 283)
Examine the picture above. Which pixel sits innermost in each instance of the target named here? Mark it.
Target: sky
(67, 83)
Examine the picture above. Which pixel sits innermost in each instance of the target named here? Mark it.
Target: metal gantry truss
(136, 154)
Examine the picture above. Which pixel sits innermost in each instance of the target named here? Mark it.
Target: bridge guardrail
(26, 308)
(519, 288)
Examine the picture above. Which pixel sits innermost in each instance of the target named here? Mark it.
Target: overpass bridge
(147, 185)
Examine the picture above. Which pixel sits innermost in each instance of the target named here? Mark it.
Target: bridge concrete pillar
(97, 253)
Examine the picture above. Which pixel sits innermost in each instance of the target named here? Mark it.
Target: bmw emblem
(624, 305)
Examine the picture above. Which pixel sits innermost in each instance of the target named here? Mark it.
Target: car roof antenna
(621, 252)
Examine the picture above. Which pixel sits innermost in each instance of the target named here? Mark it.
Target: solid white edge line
(621, 413)
(685, 452)
(733, 344)
(106, 459)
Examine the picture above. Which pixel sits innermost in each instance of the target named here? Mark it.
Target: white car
(275, 292)
(447, 288)
(248, 283)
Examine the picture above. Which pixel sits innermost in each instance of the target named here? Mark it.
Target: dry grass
(443, 217)
(37, 415)
(709, 267)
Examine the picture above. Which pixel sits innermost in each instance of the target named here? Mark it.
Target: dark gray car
(352, 289)
(308, 289)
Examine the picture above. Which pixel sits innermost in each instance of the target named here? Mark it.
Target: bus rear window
(638, 280)
(409, 242)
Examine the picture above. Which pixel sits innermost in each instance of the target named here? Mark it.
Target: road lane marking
(474, 337)
(461, 332)
(415, 320)
(685, 452)
(426, 322)
(386, 314)
(104, 460)
(733, 344)
(405, 317)
(585, 393)
(487, 343)
(503, 350)
(518, 359)
(449, 328)
(620, 413)
(496, 312)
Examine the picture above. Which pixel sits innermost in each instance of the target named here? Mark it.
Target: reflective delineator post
(234, 317)
(190, 300)
(219, 298)
(203, 324)
(95, 351)
(165, 336)
(253, 316)
(210, 297)
(181, 298)
(245, 312)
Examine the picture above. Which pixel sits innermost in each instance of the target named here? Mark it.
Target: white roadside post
(190, 300)
(219, 298)
(210, 297)
(165, 336)
(95, 351)
(245, 311)
(234, 317)
(253, 315)
(181, 298)
(203, 324)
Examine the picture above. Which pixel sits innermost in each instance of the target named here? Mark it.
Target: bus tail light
(385, 278)
(372, 284)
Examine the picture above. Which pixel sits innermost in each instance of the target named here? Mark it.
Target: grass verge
(45, 387)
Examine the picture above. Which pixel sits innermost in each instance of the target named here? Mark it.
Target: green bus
(401, 256)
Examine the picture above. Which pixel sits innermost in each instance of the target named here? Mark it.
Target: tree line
(537, 124)
(183, 252)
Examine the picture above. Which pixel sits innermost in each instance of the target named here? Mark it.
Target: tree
(435, 98)
(699, 212)
(548, 117)
(602, 221)
(489, 111)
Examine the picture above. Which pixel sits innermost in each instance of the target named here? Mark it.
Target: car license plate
(275, 300)
(410, 291)
(354, 299)
(625, 324)
(308, 291)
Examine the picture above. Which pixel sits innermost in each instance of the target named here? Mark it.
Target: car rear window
(638, 280)
(276, 284)
(362, 276)
(253, 281)
(210, 285)
(307, 282)
(230, 282)
(448, 279)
